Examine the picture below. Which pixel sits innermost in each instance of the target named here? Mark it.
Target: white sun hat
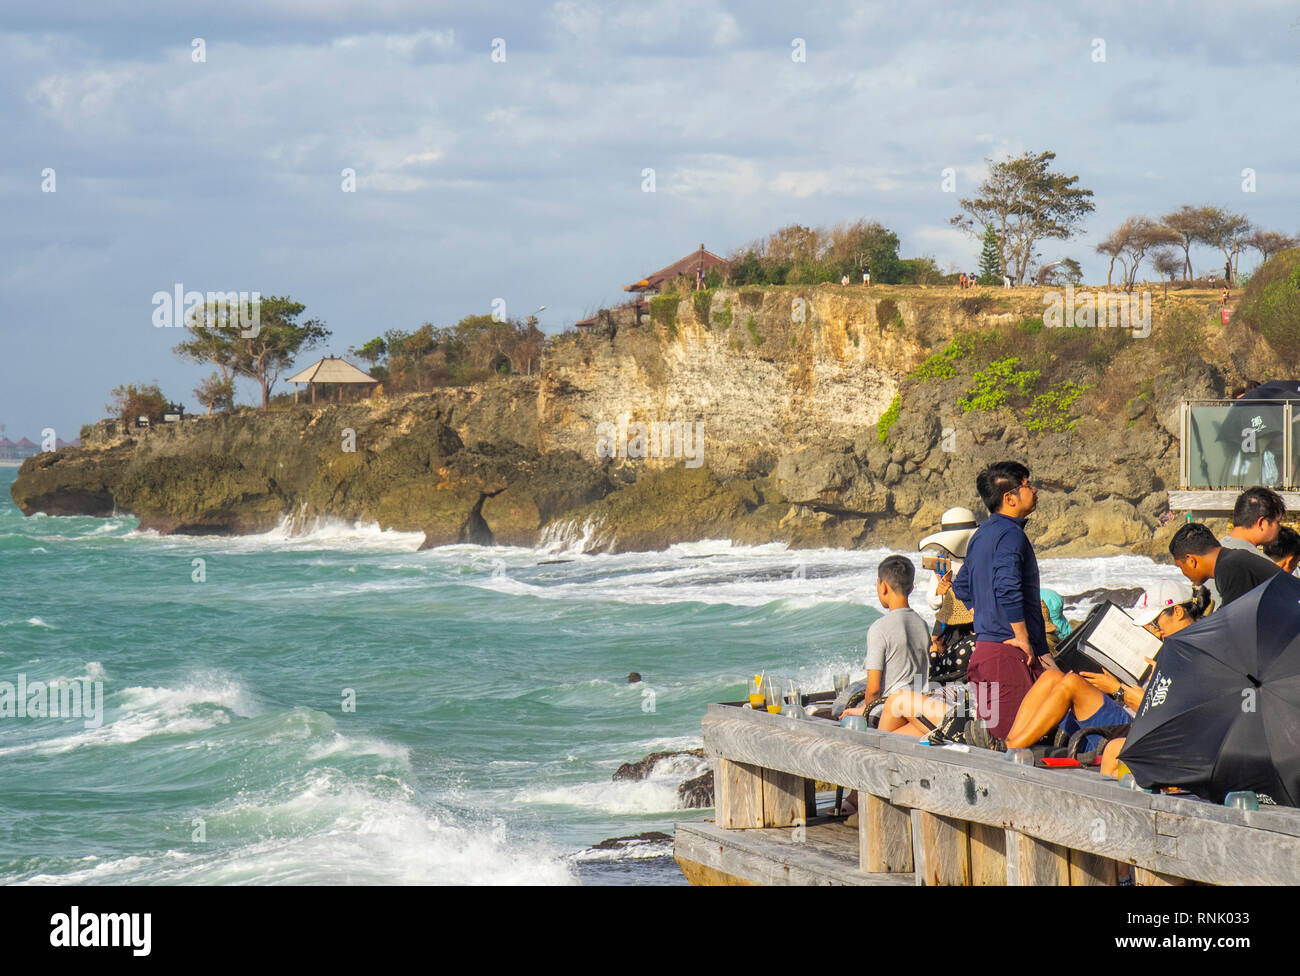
(955, 529)
(1159, 598)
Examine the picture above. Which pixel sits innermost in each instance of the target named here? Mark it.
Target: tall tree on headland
(261, 352)
(991, 270)
(1025, 203)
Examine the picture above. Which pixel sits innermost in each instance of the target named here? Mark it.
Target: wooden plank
(988, 854)
(1178, 836)
(884, 835)
(818, 854)
(794, 748)
(1208, 500)
(738, 794)
(1092, 870)
(1147, 878)
(701, 876)
(1031, 861)
(784, 802)
(940, 850)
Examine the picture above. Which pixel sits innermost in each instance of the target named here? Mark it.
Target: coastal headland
(817, 416)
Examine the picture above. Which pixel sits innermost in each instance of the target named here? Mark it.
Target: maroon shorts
(1000, 679)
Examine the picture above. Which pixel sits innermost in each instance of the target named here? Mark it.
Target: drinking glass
(841, 682)
(756, 691)
(772, 695)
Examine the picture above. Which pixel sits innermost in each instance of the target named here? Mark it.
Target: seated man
(1070, 701)
(1201, 559)
(1285, 549)
(898, 644)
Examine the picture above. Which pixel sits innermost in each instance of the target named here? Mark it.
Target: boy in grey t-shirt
(898, 644)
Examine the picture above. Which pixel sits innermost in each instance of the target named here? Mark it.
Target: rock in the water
(697, 793)
(644, 767)
(618, 843)
(1125, 597)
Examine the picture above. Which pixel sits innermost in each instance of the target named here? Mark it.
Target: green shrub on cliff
(663, 311)
(1271, 306)
(752, 327)
(1050, 411)
(889, 418)
(702, 299)
(993, 386)
(130, 402)
(723, 317)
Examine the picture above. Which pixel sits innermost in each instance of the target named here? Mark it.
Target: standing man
(866, 275)
(999, 581)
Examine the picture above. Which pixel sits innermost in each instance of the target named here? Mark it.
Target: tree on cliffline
(260, 352)
(1025, 203)
(990, 259)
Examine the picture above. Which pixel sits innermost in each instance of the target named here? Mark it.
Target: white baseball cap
(1159, 598)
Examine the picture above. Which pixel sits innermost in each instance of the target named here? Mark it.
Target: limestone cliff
(785, 388)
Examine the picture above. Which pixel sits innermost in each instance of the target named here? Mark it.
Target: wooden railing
(973, 817)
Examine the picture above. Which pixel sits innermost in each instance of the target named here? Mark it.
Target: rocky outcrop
(786, 387)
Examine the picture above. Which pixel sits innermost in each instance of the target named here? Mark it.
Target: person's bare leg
(897, 711)
(1070, 691)
(1040, 692)
(1110, 757)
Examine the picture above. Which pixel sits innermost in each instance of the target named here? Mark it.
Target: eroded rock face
(788, 397)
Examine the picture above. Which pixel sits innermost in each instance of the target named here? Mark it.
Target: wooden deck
(825, 852)
(1204, 502)
(930, 815)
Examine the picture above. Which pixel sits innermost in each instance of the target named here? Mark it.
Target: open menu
(1109, 640)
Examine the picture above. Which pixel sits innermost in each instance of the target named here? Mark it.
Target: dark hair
(898, 572)
(1286, 544)
(1193, 539)
(1257, 503)
(998, 479)
(1199, 603)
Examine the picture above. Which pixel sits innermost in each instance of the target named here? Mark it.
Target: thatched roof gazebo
(334, 370)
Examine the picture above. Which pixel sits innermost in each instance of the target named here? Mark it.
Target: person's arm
(875, 679)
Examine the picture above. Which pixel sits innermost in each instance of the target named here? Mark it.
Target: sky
(501, 151)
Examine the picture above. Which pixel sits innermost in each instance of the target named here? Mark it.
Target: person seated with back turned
(1256, 519)
(898, 644)
(999, 581)
(1285, 549)
(1070, 701)
(1201, 558)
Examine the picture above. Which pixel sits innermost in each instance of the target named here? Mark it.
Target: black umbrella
(1222, 710)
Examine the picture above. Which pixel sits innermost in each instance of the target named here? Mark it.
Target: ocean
(337, 707)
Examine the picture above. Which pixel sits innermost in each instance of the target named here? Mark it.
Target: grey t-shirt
(899, 645)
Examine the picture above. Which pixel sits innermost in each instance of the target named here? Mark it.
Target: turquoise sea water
(491, 700)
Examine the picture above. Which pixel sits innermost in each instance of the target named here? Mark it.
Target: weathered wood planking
(885, 835)
(818, 854)
(784, 800)
(988, 854)
(940, 850)
(738, 793)
(1166, 835)
(1207, 500)
(1031, 861)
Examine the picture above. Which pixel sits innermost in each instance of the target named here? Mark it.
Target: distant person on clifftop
(961, 281)
(866, 276)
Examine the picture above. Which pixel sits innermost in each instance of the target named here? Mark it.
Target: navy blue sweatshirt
(999, 582)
